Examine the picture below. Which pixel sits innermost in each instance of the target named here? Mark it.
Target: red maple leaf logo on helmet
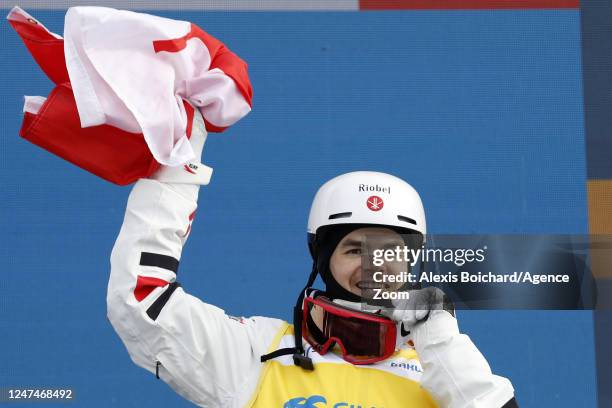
(375, 203)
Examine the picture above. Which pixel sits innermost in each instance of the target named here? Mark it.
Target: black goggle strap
(299, 356)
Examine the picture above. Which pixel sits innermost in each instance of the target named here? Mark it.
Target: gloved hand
(186, 179)
(421, 303)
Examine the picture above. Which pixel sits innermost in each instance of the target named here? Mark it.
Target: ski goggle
(363, 338)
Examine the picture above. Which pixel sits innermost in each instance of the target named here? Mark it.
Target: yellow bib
(393, 383)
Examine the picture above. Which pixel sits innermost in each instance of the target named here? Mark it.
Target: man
(336, 355)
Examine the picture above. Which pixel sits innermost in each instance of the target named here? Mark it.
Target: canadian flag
(126, 87)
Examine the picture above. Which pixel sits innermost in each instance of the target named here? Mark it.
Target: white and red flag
(133, 72)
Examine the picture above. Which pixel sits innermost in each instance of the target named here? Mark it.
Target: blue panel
(597, 63)
(481, 111)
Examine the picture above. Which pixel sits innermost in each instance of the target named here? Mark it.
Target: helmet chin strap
(299, 355)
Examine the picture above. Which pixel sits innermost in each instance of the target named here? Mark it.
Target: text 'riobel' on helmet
(367, 197)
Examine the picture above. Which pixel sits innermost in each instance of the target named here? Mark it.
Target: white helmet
(367, 197)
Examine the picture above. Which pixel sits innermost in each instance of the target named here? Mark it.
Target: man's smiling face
(351, 263)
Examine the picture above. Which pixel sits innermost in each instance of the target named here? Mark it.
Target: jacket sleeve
(206, 356)
(454, 370)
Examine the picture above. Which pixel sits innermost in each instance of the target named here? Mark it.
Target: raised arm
(204, 355)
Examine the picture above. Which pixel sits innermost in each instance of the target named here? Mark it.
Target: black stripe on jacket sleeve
(155, 309)
(161, 261)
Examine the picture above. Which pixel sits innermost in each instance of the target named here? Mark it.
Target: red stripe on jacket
(145, 285)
